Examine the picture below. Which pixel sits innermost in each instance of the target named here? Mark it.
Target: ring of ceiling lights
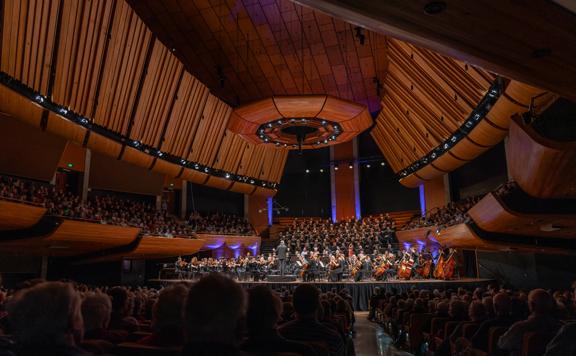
(475, 116)
(63, 111)
(300, 121)
(284, 132)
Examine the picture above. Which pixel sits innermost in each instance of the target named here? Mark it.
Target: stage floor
(360, 291)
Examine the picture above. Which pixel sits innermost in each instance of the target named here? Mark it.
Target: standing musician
(333, 268)
(281, 252)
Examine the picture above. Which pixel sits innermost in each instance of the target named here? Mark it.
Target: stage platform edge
(359, 291)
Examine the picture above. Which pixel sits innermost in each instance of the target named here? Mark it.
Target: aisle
(371, 340)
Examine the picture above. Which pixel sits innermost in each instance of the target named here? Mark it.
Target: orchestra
(311, 266)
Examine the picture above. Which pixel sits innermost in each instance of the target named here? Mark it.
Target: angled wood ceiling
(100, 60)
(268, 47)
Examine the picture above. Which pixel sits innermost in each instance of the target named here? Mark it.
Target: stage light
(325, 141)
(350, 166)
(183, 161)
(84, 120)
(70, 165)
(227, 175)
(279, 122)
(446, 146)
(269, 124)
(160, 154)
(135, 143)
(196, 166)
(368, 166)
(323, 122)
(307, 171)
(63, 111)
(39, 98)
(206, 169)
(266, 139)
(335, 168)
(251, 181)
(321, 170)
(382, 164)
(263, 184)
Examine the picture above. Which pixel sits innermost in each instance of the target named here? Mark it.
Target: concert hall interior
(287, 177)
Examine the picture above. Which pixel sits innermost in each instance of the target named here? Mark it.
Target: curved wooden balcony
(18, 215)
(491, 214)
(542, 168)
(462, 236)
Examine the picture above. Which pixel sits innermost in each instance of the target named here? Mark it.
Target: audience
(214, 311)
(306, 327)
(168, 318)
(262, 317)
(110, 209)
(452, 214)
(46, 320)
(541, 319)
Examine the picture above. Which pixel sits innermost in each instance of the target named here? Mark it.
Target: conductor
(281, 255)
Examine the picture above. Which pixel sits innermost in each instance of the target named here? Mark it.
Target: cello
(405, 270)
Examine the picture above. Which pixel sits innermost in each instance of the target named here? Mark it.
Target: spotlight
(279, 122)
(206, 169)
(39, 98)
(307, 171)
(323, 122)
(261, 131)
(446, 146)
(183, 161)
(227, 175)
(263, 184)
(63, 111)
(350, 166)
(84, 120)
(321, 170)
(453, 139)
(251, 181)
(135, 143)
(382, 164)
(160, 154)
(325, 141)
(270, 124)
(196, 166)
(368, 166)
(335, 168)
(266, 139)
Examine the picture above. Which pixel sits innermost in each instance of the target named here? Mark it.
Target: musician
(366, 269)
(281, 251)
(333, 268)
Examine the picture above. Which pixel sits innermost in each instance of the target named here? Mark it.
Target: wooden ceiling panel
(266, 48)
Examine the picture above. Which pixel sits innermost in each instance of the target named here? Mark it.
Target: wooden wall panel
(185, 117)
(344, 183)
(123, 69)
(75, 155)
(83, 38)
(167, 168)
(28, 35)
(435, 193)
(27, 151)
(126, 177)
(158, 93)
(210, 131)
(258, 213)
(137, 158)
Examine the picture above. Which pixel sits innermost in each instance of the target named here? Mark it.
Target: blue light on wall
(270, 205)
(422, 200)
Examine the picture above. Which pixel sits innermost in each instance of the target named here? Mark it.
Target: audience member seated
(306, 328)
(264, 309)
(564, 343)
(214, 309)
(121, 318)
(168, 318)
(501, 302)
(96, 312)
(47, 320)
(541, 319)
(220, 223)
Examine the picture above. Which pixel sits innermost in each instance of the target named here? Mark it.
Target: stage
(360, 291)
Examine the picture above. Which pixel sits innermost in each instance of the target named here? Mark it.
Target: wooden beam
(530, 41)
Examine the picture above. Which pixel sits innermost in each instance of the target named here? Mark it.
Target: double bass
(424, 267)
(450, 265)
(439, 270)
